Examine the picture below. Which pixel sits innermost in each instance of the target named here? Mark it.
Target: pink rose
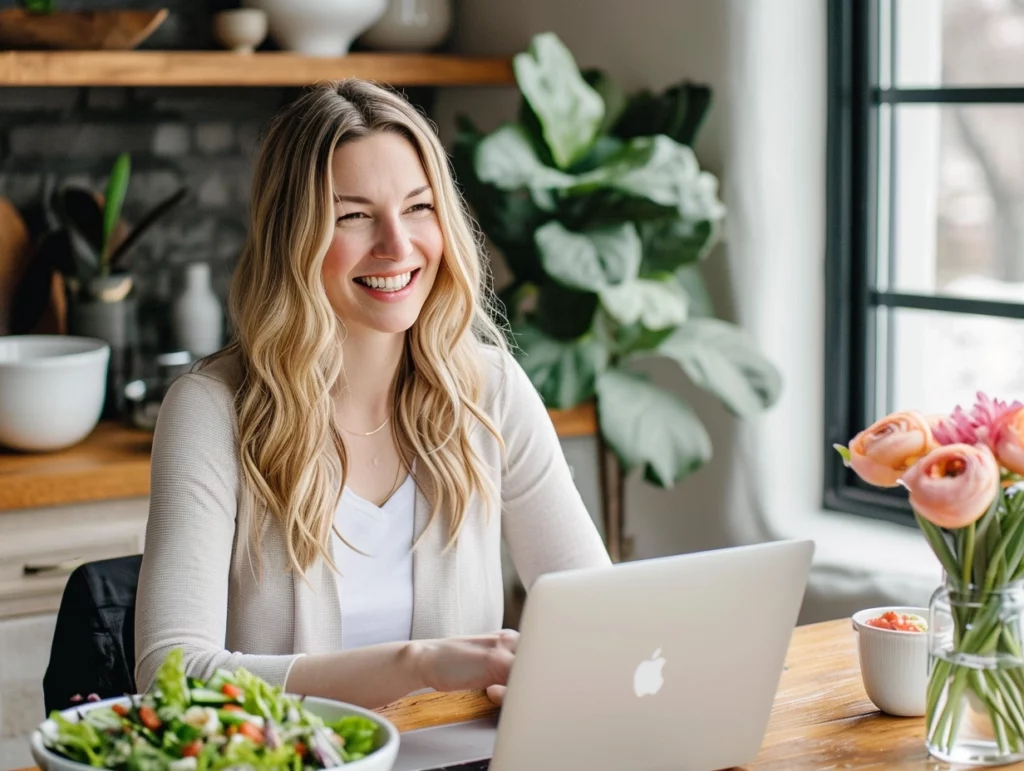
(1008, 440)
(881, 453)
(953, 485)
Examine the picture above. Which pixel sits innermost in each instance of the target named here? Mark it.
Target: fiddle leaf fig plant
(603, 215)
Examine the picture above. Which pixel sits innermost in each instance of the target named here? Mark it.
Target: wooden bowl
(77, 30)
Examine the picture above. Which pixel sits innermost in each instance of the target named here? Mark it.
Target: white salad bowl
(381, 759)
(893, 665)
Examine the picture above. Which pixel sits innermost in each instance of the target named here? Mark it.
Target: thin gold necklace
(368, 433)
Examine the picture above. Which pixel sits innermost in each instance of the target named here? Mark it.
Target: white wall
(765, 139)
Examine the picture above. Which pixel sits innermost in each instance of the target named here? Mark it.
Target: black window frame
(854, 97)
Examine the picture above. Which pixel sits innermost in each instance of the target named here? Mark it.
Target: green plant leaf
(721, 358)
(507, 159)
(564, 373)
(692, 282)
(655, 304)
(612, 95)
(661, 171)
(37, 6)
(119, 257)
(569, 111)
(563, 313)
(648, 427)
(678, 113)
(117, 189)
(589, 261)
(672, 243)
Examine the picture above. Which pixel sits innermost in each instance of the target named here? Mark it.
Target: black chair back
(93, 649)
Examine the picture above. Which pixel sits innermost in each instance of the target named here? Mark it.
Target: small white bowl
(893, 665)
(240, 29)
(381, 759)
(52, 389)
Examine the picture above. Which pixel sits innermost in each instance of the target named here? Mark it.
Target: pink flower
(881, 453)
(980, 425)
(953, 485)
(1008, 440)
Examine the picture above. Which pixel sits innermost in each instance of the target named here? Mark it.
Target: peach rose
(881, 453)
(1008, 440)
(953, 485)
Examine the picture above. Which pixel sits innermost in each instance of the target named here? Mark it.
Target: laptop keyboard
(476, 765)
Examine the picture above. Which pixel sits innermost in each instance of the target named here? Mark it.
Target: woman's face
(387, 243)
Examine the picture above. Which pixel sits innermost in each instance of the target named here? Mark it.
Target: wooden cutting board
(15, 252)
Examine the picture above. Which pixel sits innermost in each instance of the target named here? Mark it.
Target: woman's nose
(393, 242)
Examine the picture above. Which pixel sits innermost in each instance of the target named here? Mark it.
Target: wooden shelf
(225, 68)
(113, 462)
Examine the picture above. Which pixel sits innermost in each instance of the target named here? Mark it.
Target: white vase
(319, 27)
(411, 25)
(196, 314)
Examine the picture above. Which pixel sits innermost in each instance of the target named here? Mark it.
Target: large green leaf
(564, 373)
(677, 113)
(117, 189)
(699, 302)
(589, 261)
(563, 313)
(723, 359)
(672, 243)
(662, 171)
(655, 304)
(507, 159)
(569, 111)
(649, 427)
(612, 95)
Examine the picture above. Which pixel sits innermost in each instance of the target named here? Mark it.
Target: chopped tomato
(300, 749)
(191, 749)
(231, 691)
(149, 718)
(232, 708)
(251, 731)
(120, 709)
(898, 622)
(231, 730)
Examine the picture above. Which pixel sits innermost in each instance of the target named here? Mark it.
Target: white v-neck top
(375, 587)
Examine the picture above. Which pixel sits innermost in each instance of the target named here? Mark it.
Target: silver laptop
(668, 663)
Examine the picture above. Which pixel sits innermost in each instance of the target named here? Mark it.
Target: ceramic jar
(411, 25)
(319, 27)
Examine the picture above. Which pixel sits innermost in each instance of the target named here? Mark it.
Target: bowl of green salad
(233, 721)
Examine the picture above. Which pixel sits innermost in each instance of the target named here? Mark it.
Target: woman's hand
(467, 663)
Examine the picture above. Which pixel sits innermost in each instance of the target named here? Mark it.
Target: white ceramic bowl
(893, 665)
(52, 389)
(319, 27)
(240, 29)
(382, 759)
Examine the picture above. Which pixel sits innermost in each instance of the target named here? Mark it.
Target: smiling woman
(367, 411)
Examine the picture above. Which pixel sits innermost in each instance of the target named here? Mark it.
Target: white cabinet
(38, 550)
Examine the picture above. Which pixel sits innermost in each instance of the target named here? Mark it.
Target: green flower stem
(1012, 703)
(967, 551)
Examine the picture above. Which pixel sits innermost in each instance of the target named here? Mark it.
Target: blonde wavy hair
(288, 337)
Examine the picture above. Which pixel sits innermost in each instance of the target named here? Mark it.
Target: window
(926, 217)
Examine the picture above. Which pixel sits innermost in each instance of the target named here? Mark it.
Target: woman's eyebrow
(368, 202)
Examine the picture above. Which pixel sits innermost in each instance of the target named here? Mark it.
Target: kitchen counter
(113, 462)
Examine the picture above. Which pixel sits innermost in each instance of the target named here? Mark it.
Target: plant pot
(113, 322)
(319, 27)
(411, 25)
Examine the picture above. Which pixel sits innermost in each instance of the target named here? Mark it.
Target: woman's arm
(544, 521)
(182, 596)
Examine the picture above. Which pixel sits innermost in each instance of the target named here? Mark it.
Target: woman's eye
(350, 216)
(422, 207)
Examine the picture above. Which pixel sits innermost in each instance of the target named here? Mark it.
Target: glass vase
(975, 703)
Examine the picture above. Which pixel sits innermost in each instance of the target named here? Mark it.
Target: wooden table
(822, 718)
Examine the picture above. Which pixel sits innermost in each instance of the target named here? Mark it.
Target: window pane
(956, 42)
(939, 360)
(957, 219)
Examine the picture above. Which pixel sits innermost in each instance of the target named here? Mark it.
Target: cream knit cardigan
(199, 590)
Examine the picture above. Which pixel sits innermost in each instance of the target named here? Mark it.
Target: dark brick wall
(202, 138)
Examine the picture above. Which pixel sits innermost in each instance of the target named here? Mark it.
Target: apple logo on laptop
(647, 680)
